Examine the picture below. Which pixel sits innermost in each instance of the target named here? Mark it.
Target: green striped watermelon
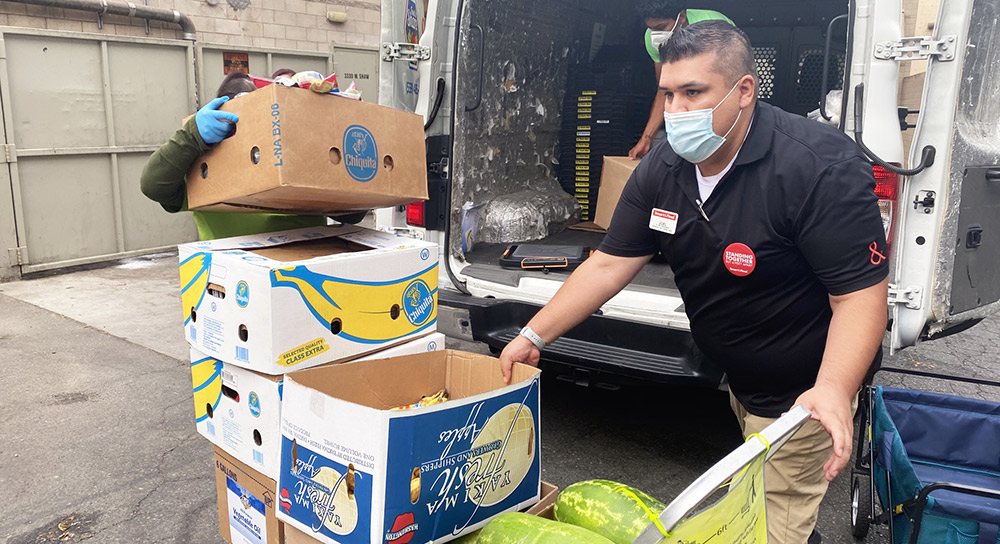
(610, 509)
(467, 539)
(518, 528)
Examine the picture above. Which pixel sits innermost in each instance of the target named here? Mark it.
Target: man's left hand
(832, 410)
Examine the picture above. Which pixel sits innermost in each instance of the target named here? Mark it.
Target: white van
(490, 78)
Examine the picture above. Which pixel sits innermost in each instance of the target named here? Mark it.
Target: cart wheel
(861, 509)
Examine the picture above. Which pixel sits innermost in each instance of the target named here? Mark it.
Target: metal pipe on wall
(128, 9)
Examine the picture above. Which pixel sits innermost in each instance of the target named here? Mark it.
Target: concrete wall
(281, 24)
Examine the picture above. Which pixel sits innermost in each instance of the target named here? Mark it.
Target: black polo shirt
(794, 221)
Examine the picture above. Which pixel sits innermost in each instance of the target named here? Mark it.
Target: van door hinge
(439, 168)
(17, 255)
(9, 154)
(909, 296)
(405, 51)
(917, 48)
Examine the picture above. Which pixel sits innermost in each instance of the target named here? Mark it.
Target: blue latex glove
(212, 123)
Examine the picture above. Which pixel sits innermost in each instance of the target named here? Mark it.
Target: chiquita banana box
(355, 470)
(239, 410)
(290, 300)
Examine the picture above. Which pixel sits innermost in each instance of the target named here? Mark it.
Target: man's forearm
(855, 334)
(598, 279)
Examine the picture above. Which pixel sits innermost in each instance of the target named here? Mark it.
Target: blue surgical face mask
(690, 132)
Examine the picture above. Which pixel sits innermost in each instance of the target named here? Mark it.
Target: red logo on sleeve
(877, 257)
(739, 259)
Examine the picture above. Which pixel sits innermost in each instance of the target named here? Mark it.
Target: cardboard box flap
(253, 241)
(387, 383)
(310, 249)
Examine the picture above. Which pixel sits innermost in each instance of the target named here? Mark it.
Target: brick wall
(284, 24)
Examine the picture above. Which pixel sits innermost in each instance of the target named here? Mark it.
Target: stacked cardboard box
(257, 307)
(304, 343)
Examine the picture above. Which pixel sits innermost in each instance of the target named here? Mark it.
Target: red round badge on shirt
(739, 259)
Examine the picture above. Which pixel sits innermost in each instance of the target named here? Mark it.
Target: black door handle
(993, 175)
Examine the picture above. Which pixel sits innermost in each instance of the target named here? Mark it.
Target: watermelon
(610, 509)
(518, 528)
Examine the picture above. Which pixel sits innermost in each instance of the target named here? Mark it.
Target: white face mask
(690, 133)
(660, 37)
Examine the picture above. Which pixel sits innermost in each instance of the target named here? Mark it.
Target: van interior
(522, 67)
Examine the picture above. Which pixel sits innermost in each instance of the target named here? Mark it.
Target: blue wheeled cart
(933, 460)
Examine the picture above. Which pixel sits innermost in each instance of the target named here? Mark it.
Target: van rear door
(946, 233)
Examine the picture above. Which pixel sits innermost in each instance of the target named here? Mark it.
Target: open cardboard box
(239, 410)
(542, 508)
(289, 300)
(302, 152)
(354, 471)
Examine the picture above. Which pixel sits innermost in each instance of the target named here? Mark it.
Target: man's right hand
(519, 350)
(215, 125)
(640, 149)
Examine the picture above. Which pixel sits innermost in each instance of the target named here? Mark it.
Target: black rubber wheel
(861, 509)
(349, 218)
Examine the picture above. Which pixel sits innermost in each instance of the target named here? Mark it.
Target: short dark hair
(658, 9)
(734, 54)
(282, 72)
(234, 84)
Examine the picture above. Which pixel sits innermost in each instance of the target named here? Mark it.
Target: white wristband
(533, 337)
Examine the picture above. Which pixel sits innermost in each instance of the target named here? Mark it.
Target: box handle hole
(230, 392)
(209, 411)
(388, 163)
(255, 155)
(394, 311)
(194, 316)
(257, 438)
(216, 290)
(415, 485)
(335, 157)
(244, 333)
(204, 170)
(295, 456)
(336, 326)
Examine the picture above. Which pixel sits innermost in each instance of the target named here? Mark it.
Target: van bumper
(599, 349)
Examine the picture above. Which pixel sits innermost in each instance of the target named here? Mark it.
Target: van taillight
(886, 189)
(415, 213)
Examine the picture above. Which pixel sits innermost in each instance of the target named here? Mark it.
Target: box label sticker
(310, 349)
(360, 153)
(247, 518)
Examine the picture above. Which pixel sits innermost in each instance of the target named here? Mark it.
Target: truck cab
(496, 83)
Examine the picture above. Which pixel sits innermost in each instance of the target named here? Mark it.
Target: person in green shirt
(662, 18)
(164, 176)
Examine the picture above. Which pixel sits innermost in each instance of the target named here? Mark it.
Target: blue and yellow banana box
(356, 471)
(295, 299)
(239, 410)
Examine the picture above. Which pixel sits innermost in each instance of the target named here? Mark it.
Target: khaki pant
(794, 482)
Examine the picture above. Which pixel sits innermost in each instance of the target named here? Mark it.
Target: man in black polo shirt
(771, 226)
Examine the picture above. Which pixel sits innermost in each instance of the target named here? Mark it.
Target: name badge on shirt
(663, 221)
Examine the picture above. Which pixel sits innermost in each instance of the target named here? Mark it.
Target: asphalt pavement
(99, 442)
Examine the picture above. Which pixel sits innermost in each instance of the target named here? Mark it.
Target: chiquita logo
(242, 294)
(360, 153)
(417, 302)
